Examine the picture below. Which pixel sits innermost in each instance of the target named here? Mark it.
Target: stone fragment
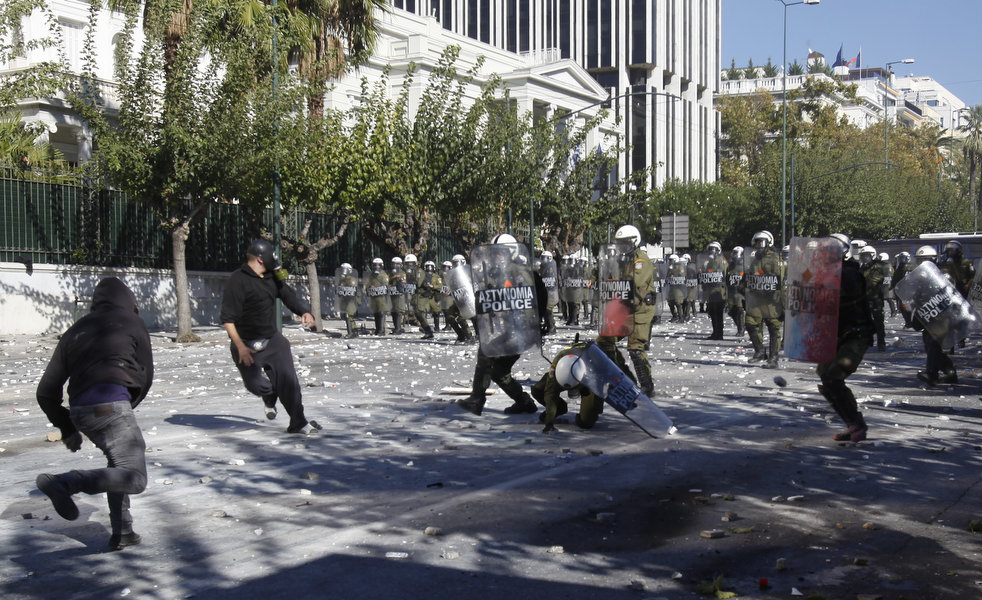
(712, 534)
(556, 550)
(781, 564)
(434, 531)
(54, 436)
(730, 516)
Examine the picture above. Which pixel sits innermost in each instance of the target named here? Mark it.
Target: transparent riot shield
(712, 276)
(377, 290)
(346, 290)
(763, 287)
(934, 301)
(409, 283)
(735, 271)
(459, 280)
(607, 381)
(675, 283)
(812, 305)
(691, 282)
(505, 299)
(661, 271)
(549, 272)
(616, 287)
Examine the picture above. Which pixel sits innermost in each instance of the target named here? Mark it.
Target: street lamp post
(784, 119)
(886, 120)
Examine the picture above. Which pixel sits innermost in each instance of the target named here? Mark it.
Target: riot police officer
(854, 336)
(451, 314)
(377, 289)
(411, 266)
(675, 280)
(734, 293)
(549, 272)
(712, 278)
(873, 272)
(397, 296)
(428, 287)
(887, 269)
(348, 296)
(498, 368)
(628, 241)
(691, 287)
(902, 268)
(764, 284)
(959, 268)
(586, 289)
(939, 368)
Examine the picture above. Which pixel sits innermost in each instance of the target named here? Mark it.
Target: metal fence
(64, 223)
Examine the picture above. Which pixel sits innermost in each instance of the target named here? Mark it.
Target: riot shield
(661, 271)
(675, 283)
(345, 284)
(616, 286)
(607, 381)
(408, 284)
(691, 282)
(377, 288)
(812, 306)
(934, 301)
(763, 286)
(550, 278)
(461, 285)
(505, 300)
(712, 271)
(736, 269)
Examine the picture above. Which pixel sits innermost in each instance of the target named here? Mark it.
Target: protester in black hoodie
(107, 360)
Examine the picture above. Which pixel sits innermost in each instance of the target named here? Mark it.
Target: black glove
(72, 441)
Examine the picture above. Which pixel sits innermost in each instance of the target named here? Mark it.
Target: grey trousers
(113, 429)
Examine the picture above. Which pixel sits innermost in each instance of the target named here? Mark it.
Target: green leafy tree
(971, 146)
(750, 72)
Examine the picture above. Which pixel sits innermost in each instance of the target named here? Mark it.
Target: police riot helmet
(447, 265)
(903, 258)
(762, 239)
(738, 252)
(546, 254)
(569, 371)
(377, 264)
(263, 250)
(883, 256)
(673, 258)
(429, 265)
(457, 260)
(504, 238)
(628, 233)
(714, 247)
(858, 245)
(925, 254)
(844, 240)
(686, 257)
(346, 269)
(411, 258)
(867, 254)
(953, 249)
(396, 260)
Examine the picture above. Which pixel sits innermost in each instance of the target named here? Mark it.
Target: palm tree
(972, 149)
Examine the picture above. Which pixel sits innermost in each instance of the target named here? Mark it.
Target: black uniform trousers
(272, 375)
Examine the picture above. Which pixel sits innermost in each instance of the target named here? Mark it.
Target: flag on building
(838, 59)
(856, 63)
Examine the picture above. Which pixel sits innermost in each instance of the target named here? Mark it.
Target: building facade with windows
(657, 59)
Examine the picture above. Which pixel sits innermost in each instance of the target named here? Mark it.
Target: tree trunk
(179, 238)
(315, 295)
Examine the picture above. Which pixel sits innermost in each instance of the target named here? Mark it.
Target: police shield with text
(348, 293)
(712, 281)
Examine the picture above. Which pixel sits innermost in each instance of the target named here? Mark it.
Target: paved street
(404, 495)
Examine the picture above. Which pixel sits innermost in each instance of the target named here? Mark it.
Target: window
(73, 38)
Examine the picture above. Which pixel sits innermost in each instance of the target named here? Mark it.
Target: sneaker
(311, 427)
(60, 497)
(928, 378)
(472, 405)
(119, 541)
(270, 412)
(855, 433)
(521, 407)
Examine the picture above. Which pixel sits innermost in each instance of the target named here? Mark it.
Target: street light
(886, 121)
(784, 126)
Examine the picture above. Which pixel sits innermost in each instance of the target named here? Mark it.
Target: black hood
(112, 293)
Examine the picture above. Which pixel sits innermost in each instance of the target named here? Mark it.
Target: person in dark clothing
(855, 335)
(107, 360)
(260, 352)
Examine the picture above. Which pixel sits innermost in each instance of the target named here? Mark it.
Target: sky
(944, 37)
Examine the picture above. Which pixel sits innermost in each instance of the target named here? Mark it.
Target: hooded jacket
(108, 345)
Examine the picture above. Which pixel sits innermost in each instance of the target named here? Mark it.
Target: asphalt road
(404, 495)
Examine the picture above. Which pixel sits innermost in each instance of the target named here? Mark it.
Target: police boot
(550, 323)
(472, 404)
(773, 352)
(427, 331)
(741, 323)
(643, 368)
(397, 322)
(436, 321)
(753, 332)
(379, 324)
(350, 326)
